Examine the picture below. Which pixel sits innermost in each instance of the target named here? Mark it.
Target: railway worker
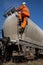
(23, 16)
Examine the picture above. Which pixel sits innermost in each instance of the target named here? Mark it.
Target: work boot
(21, 30)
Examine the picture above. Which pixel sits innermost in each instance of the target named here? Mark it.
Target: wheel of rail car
(8, 53)
(30, 54)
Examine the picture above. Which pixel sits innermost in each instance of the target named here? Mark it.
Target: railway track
(35, 62)
(38, 61)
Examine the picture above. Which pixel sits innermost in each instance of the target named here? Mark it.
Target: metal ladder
(19, 35)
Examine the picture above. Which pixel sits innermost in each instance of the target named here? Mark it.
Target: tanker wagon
(31, 43)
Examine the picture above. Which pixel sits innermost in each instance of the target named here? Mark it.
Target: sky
(35, 6)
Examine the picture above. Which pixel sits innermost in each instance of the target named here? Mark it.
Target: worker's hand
(16, 10)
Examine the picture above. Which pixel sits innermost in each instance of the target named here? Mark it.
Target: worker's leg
(23, 25)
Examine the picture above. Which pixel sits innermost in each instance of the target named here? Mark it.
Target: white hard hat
(23, 3)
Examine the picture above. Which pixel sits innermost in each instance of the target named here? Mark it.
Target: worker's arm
(20, 8)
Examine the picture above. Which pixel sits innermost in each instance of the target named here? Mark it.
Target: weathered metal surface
(31, 34)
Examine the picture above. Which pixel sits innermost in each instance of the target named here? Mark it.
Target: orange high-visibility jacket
(24, 10)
